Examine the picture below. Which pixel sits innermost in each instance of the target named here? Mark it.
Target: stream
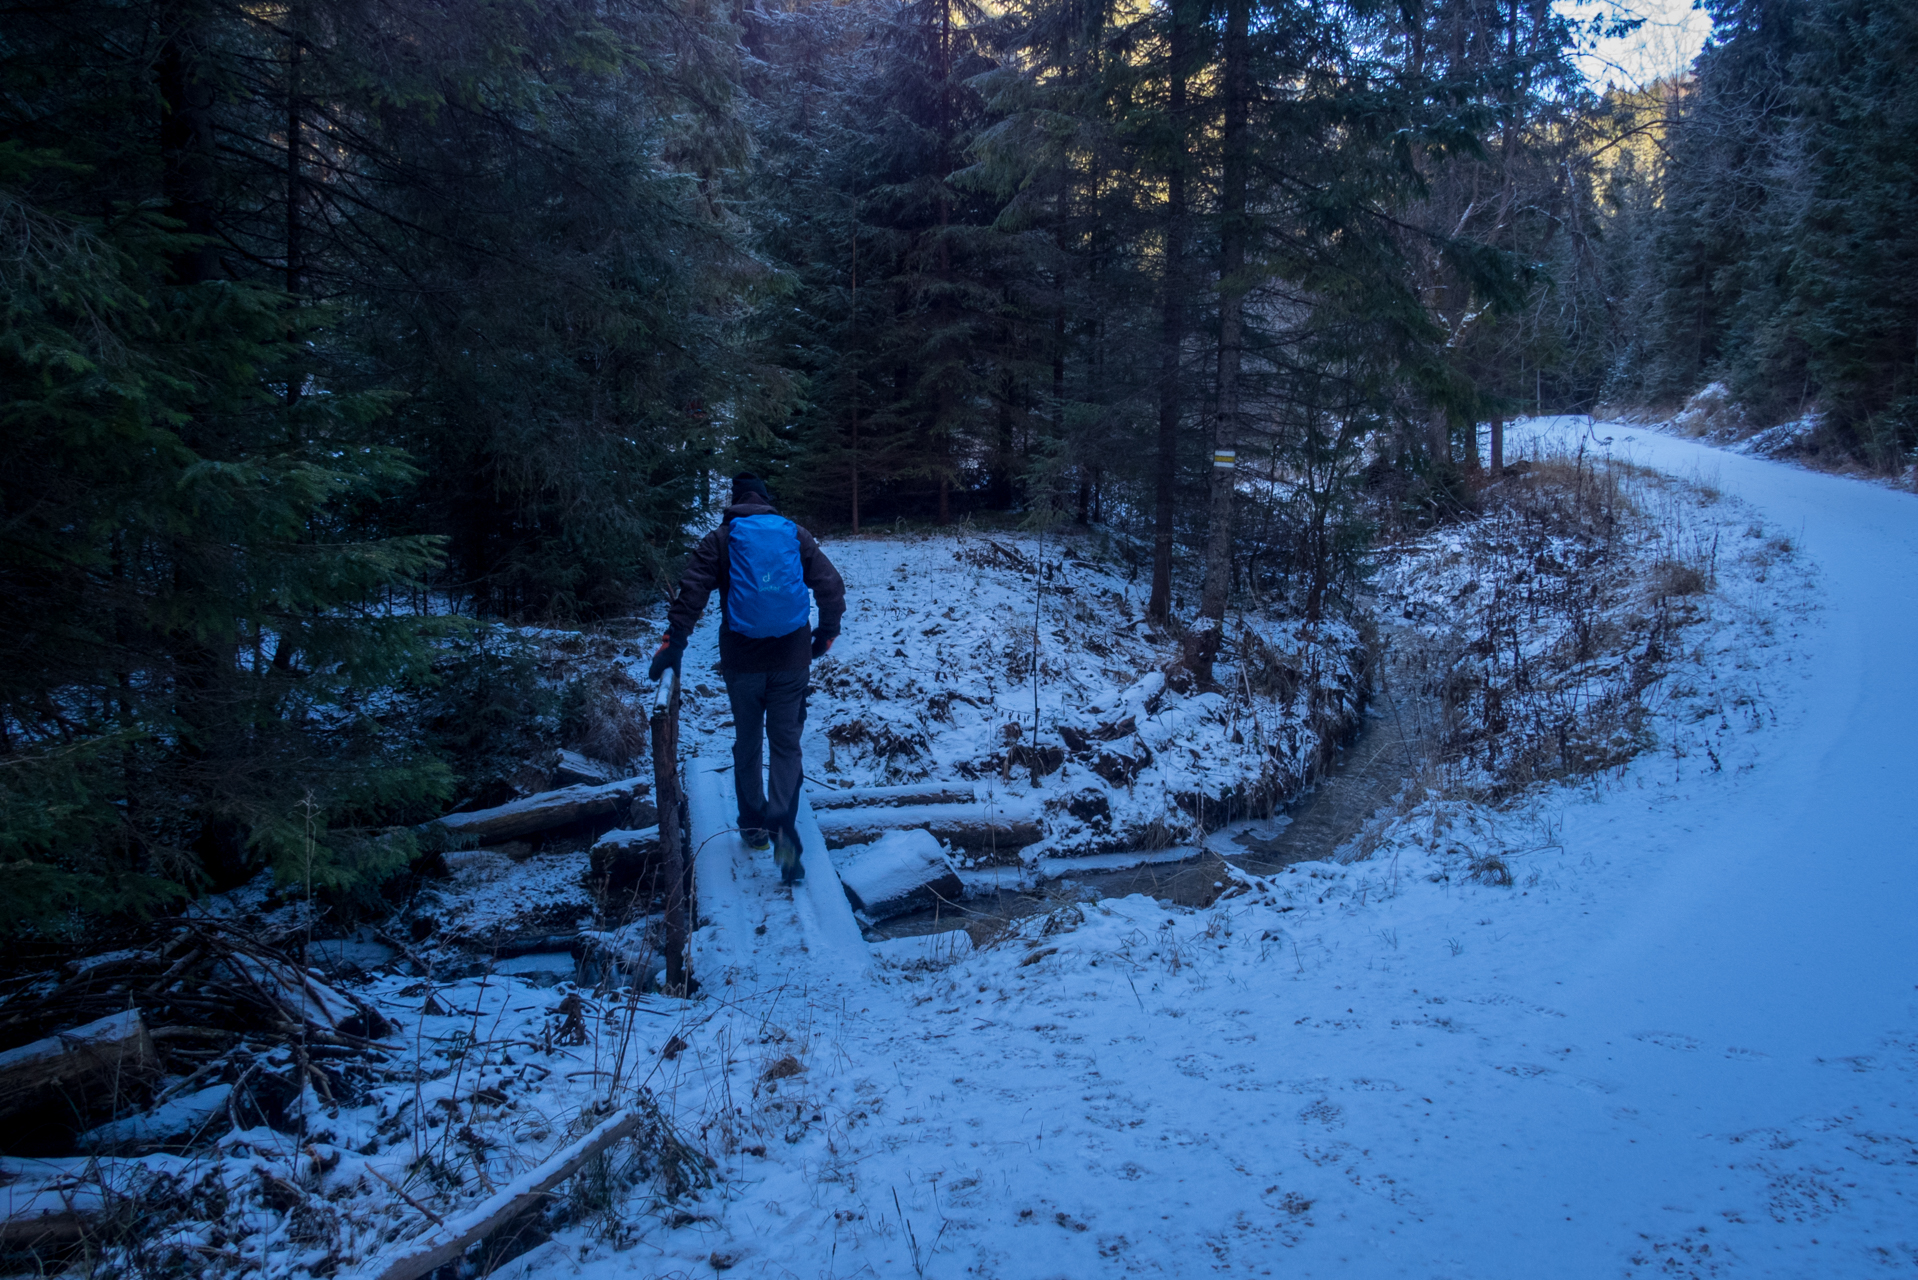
(1395, 736)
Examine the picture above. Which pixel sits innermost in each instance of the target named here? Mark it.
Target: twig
(434, 1217)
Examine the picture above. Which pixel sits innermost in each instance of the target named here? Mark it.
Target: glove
(821, 642)
(671, 649)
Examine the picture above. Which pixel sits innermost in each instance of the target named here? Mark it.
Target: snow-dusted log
(544, 811)
(571, 767)
(622, 856)
(899, 872)
(911, 793)
(447, 1241)
(99, 1058)
(1001, 828)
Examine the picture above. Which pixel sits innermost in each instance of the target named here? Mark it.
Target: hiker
(763, 565)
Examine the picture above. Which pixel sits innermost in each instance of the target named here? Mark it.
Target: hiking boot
(786, 854)
(758, 839)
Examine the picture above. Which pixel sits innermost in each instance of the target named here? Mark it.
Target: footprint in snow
(1669, 1040)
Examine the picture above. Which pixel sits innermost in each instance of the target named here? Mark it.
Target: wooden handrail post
(675, 865)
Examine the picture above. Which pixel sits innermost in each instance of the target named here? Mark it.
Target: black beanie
(747, 485)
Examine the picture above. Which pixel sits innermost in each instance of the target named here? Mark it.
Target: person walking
(762, 565)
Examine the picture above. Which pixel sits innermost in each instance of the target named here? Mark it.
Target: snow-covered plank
(721, 925)
(734, 888)
(824, 914)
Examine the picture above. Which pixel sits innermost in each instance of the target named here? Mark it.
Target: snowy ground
(1684, 1042)
(933, 679)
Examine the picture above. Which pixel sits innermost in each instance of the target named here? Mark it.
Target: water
(1395, 736)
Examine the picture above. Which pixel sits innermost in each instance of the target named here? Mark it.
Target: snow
(1658, 1019)
(894, 873)
(1682, 1042)
(926, 950)
(932, 680)
(175, 1118)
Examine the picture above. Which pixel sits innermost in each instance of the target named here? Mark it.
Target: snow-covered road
(1684, 1043)
(1740, 1014)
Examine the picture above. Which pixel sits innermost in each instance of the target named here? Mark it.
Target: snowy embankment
(1659, 1019)
(1681, 1042)
(933, 678)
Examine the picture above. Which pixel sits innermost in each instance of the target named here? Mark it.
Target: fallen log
(92, 1062)
(911, 793)
(448, 1240)
(544, 811)
(621, 857)
(44, 1229)
(1001, 828)
(571, 767)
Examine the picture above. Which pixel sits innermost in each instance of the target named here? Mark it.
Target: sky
(1670, 38)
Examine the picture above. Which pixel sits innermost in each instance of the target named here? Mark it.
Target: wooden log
(448, 1240)
(90, 1062)
(544, 811)
(44, 1229)
(901, 871)
(622, 857)
(911, 793)
(572, 767)
(967, 826)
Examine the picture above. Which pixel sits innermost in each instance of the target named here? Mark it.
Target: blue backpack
(766, 584)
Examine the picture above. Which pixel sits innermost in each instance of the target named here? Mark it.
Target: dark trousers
(771, 704)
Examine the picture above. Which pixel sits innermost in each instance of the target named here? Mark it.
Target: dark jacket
(706, 570)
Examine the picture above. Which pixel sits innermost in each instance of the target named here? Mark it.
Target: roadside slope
(1684, 1042)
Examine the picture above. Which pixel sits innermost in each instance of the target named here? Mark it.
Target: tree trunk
(186, 153)
(295, 190)
(1498, 443)
(999, 473)
(852, 361)
(1171, 335)
(1225, 435)
(542, 812)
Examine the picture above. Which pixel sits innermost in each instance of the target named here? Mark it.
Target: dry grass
(1537, 630)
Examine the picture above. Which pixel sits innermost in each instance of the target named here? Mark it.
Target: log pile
(183, 997)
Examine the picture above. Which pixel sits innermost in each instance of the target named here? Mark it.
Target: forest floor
(1617, 980)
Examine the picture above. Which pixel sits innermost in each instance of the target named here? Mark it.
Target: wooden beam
(450, 1239)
